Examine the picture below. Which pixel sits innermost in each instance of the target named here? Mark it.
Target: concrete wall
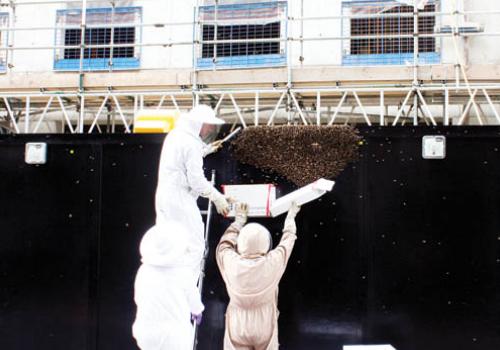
(33, 16)
(477, 50)
(483, 49)
(319, 52)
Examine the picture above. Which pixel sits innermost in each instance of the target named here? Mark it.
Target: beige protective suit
(252, 275)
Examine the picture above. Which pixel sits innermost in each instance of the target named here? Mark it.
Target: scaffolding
(424, 92)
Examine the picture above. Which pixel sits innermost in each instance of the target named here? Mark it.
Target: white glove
(290, 225)
(212, 148)
(220, 202)
(241, 213)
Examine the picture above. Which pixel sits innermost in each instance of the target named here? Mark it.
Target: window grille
(99, 32)
(239, 21)
(391, 36)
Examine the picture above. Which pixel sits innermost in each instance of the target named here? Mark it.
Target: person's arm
(212, 147)
(193, 296)
(194, 300)
(194, 172)
(282, 252)
(198, 182)
(228, 241)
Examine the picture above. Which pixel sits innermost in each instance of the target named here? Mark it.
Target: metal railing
(411, 102)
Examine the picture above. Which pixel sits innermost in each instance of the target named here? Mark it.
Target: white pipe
(341, 102)
(257, 107)
(82, 34)
(82, 114)
(497, 116)
(298, 109)
(382, 108)
(273, 115)
(161, 102)
(217, 106)
(398, 115)
(415, 45)
(127, 129)
(98, 114)
(446, 107)
(174, 101)
(467, 108)
(242, 120)
(318, 108)
(362, 108)
(11, 115)
(27, 116)
(43, 114)
(65, 114)
(168, 44)
(427, 109)
(359, 89)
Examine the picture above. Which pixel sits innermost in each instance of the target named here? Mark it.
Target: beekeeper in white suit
(166, 296)
(182, 180)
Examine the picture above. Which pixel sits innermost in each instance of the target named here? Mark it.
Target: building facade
(75, 66)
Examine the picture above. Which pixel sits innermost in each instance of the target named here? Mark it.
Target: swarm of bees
(302, 154)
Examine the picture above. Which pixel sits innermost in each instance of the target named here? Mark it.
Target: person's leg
(229, 345)
(271, 345)
(148, 338)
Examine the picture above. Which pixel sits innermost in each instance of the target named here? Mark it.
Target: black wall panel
(403, 251)
(47, 224)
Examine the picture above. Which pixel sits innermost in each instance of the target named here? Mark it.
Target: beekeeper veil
(205, 116)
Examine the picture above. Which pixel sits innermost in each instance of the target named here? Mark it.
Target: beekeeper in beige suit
(252, 273)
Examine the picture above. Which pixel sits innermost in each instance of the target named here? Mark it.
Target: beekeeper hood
(254, 240)
(193, 121)
(204, 114)
(164, 245)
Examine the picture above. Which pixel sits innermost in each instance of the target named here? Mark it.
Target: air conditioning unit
(467, 27)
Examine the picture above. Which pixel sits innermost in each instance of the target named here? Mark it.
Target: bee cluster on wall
(302, 154)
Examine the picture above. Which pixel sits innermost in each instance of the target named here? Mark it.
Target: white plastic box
(434, 147)
(301, 196)
(258, 197)
(35, 153)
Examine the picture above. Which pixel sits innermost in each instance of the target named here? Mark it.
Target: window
(100, 36)
(392, 41)
(238, 32)
(99, 32)
(239, 21)
(4, 24)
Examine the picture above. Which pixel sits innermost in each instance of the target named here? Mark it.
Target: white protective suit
(181, 180)
(165, 294)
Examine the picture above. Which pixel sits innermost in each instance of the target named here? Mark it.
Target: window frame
(4, 41)
(242, 61)
(387, 58)
(61, 63)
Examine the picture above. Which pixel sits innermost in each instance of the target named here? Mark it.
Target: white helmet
(203, 114)
(254, 240)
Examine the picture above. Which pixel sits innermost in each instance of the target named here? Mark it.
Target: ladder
(208, 214)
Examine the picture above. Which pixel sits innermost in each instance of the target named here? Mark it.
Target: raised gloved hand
(241, 213)
(290, 225)
(220, 202)
(196, 318)
(212, 148)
